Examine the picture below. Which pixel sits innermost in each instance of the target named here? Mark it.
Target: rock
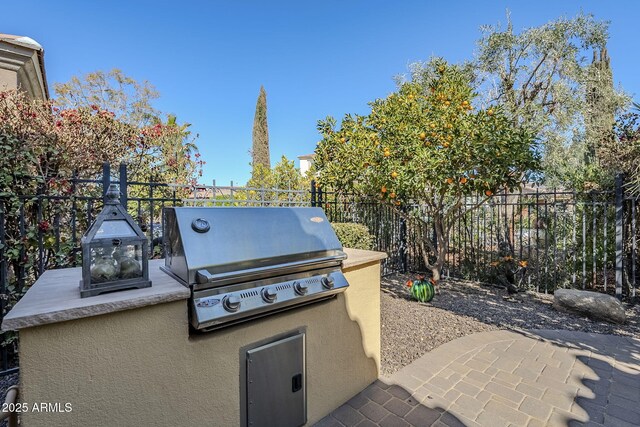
(592, 304)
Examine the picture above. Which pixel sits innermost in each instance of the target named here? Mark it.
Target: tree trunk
(438, 248)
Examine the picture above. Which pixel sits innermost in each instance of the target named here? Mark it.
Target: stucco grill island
(256, 317)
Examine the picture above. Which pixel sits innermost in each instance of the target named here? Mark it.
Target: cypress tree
(600, 103)
(260, 151)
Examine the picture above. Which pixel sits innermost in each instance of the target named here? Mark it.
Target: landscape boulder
(592, 304)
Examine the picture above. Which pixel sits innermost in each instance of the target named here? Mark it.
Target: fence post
(403, 241)
(106, 179)
(619, 232)
(313, 193)
(123, 185)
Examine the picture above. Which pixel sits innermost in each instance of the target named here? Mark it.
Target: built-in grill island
(244, 263)
(142, 356)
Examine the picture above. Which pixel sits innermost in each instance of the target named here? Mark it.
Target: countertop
(356, 257)
(55, 297)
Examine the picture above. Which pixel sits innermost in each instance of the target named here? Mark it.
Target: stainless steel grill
(243, 263)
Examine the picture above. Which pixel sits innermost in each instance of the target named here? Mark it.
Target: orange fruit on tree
(394, 174)
(463, 180)
(447, 103)
(449, 180)
(343, 139)
(410, 97)
(423, 135)
(398, 203)
(490, 112)
(445, 144)
(392, 195)
(488, 193)
(433, 125)
(383, 189)
(387, 153)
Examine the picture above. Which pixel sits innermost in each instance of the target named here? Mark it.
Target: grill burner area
(244, 263)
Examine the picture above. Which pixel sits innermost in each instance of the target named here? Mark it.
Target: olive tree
(425, 144)
(543, 80)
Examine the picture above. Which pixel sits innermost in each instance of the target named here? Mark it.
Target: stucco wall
(140, 367)
(8, 79)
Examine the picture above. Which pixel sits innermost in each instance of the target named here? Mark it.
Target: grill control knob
(231, 303)
(269, 294)
(328, 282)
(300, 288)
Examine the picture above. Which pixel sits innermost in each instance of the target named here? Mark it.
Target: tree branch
(533, 73)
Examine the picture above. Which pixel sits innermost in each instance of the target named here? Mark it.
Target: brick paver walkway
(506, 378)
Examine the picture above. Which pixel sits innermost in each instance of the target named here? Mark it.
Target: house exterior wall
(22, 66)
(8, 80)
(305, 165)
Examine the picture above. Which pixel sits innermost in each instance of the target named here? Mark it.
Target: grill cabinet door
(276, 384)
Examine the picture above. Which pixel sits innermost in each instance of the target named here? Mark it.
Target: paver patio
(508, 378)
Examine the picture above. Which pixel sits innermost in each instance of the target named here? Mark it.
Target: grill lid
(220, 245)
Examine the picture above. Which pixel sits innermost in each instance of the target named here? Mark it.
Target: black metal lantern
(114, 251)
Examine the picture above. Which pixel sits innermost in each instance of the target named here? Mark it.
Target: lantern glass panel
(116, 228)
(114, 261)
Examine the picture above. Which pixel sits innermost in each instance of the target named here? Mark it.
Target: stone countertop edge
(356, 257)
(55, 297)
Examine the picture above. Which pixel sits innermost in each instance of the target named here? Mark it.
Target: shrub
(353, 235)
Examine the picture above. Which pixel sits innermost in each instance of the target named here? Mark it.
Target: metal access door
(276, 384)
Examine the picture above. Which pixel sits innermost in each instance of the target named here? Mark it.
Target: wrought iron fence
(566, 239)
(556, 239)
(384, 223)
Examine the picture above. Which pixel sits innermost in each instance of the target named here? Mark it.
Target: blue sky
(208, 58)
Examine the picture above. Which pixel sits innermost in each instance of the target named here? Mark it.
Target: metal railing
(568, 239)
(560, 238)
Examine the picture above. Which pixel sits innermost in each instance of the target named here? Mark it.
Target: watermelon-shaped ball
(422, 290)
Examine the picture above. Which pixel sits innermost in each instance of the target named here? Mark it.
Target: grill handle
(203, 276)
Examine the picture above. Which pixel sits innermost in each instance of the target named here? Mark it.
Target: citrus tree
(426, 145)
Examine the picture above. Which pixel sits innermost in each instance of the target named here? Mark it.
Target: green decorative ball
(104, 270)
(422, 290)
(130, 268)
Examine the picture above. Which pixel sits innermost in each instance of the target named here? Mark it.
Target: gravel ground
(411, 328)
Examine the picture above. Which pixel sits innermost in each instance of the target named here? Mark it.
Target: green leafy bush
(353, 235)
